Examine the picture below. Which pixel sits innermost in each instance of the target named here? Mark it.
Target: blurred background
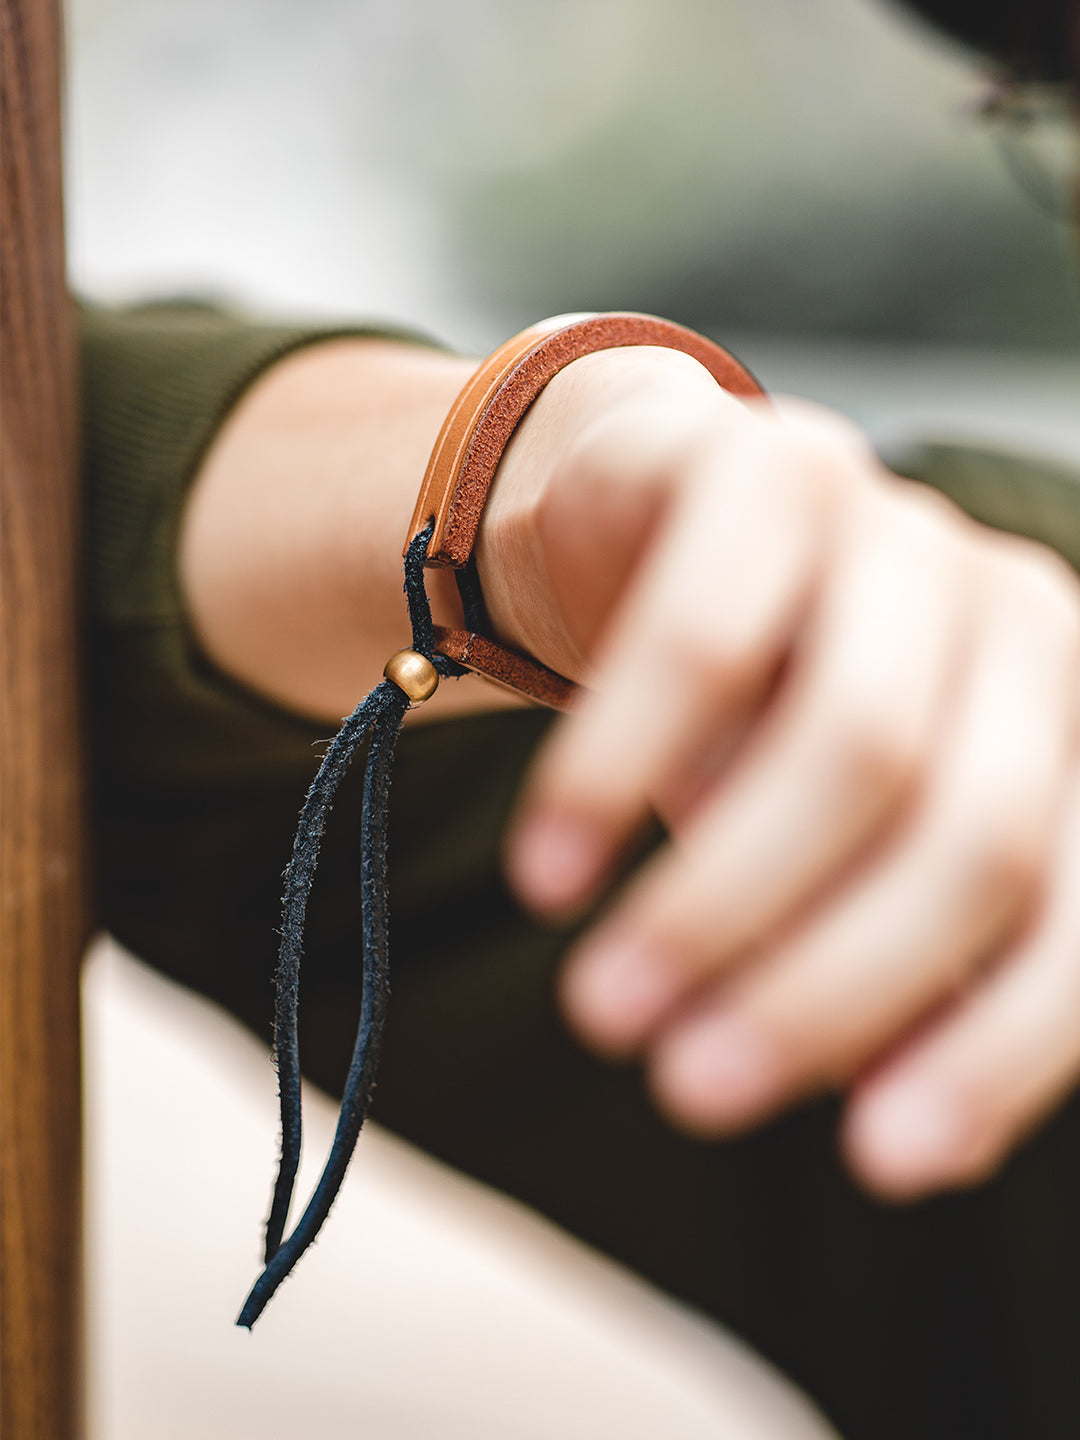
(803, 179)
(796, 166)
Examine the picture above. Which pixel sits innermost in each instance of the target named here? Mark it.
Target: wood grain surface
(42, 915)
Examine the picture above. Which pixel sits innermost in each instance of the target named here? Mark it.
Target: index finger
(694, 648)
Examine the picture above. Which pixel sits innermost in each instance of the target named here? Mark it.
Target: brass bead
(414, 673)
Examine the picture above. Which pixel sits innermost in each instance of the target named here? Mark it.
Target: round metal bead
(414, 673)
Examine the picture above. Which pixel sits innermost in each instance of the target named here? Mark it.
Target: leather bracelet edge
(476, 432)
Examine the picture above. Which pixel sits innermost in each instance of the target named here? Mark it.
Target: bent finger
(947, 891)
(694, 647)
(950, 1105)
(827, 770)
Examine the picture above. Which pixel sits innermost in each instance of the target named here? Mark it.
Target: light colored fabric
(431, 1307)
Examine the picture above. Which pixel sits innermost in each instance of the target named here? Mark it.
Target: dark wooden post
(42, 915)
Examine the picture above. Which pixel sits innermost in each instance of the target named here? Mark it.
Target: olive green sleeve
(157, 383)
(1034, 497)
(198, 782)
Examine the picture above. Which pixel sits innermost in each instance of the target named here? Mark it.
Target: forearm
(290, 548)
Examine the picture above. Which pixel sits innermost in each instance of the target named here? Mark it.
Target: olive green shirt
(954, 1318)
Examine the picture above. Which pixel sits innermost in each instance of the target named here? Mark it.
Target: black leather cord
(379, 715)
(472, 598)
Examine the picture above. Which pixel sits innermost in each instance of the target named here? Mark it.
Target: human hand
(856, 710)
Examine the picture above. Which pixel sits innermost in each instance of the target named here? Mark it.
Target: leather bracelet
(477, 431)
(444, 532)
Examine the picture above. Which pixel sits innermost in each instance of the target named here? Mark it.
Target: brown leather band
(477, 431)
(517, 672)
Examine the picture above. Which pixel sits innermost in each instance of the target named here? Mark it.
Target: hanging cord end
(412, 676)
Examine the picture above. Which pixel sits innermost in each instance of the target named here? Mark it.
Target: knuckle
(821, 435)
(876, 751)
(930, 506)
(1041, 576)
(935, 521)
(828, 462)
(985, 1128)
(1055, 586)
(1007, 864)
(725, 655)
(811, 458)
(985, 1120)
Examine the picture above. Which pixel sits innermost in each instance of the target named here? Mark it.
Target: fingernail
(720, 1069)
(913, 1135)
(618, 989)
(554, 860)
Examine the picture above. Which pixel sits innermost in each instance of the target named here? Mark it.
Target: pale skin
(856, 710)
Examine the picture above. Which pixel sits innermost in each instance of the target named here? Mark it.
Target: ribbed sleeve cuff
(157, 383)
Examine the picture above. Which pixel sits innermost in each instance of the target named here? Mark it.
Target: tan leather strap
(477, 431)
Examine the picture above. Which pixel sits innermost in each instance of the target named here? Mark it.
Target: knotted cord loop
(379, 715)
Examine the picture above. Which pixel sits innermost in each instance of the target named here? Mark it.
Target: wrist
(289, 552)
(579, 489)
